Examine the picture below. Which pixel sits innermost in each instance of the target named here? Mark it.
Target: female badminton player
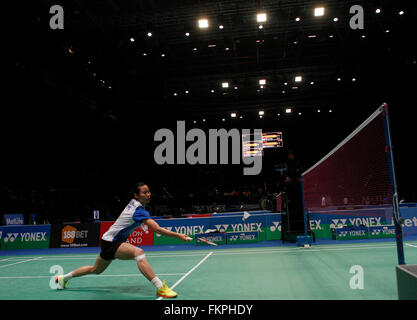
(114, 245)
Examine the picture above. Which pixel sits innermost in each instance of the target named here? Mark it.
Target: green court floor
(291, 273)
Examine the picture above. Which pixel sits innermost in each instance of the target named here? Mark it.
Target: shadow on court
(134, 289)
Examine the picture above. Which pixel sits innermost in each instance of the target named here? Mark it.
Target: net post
(304, 208)
(396, 209)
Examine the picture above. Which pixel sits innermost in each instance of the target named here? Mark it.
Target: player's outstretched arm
(162, 231)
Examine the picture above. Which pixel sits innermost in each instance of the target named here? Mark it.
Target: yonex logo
(375, 232)
(276, 226)
(221, 228)
(11, 236)
(336, 224)
(343, 233)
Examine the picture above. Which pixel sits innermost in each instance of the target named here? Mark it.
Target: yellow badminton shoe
(61, 282)
(166, 292)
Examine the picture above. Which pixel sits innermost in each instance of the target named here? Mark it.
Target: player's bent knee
(140, 257)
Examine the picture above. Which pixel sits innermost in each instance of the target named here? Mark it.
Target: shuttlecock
(245, 215)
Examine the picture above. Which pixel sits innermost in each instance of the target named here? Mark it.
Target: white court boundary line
(11, 264)
(188, 273)
(324, 247)
(231, 251)
(93, 275)
(410, 245)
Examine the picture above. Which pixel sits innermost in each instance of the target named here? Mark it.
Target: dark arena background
(82, 102)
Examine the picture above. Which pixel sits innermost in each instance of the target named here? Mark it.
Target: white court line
(185, 275)
(410, 245)
(94, 275)
(250, 251)
(11, 264)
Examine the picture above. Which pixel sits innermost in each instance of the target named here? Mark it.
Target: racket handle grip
(189, 239)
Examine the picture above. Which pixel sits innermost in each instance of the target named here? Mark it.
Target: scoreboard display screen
(272, 139)
(254, 147)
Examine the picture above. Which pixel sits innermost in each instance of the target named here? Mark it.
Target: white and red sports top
(129, 220)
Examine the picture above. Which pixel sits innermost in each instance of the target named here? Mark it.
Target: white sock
(157, 283)
(67, 276)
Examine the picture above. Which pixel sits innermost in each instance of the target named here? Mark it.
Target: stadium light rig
(319, 11)
(261, 17)
(203, 23)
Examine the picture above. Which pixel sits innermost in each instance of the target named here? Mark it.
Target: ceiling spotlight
(261, 26)
(163, 55)
(285, 83)
(331, 36)
(195, 122)
(297, 19)
(235, 88)
(363, 36)
(288, 110)
(203, 23)
(212, 91)
(186, 91)
(204, 120)
(387, 30)
(336, 19)
(132, 39)
(278, 114)
(312, 82)
(262, 81)
(241, 117)
(144, 54)
(295, 42)
(223, 119)
(401, 13)
(187, 34)
(283, 91)
(299, 113)
(353, 79)
(227, 49)
(318, 110)
(175, 94)
(260, 117)
(378, 10)
(261, 17)
(221, 27)
(149, 34)
(194, 49)
(233, 114)
(330, 110)
(318, 12)
(261, 113)
(338, 79)
(298, 79)
(225, 84)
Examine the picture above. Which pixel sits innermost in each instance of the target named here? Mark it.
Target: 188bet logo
(69, 234)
